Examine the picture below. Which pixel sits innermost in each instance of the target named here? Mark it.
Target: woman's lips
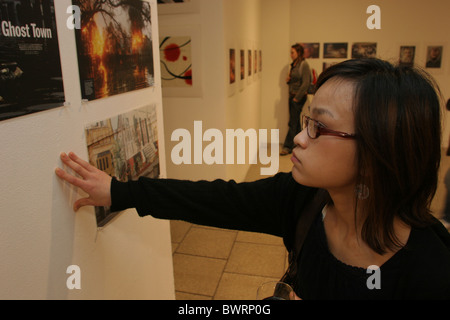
(294, 159)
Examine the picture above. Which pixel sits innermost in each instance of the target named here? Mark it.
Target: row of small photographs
(433, 56)
(254, 62)
(339, 50)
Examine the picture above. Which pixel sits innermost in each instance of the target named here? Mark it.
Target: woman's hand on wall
(96, 183)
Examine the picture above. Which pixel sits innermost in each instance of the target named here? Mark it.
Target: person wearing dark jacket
(299, 80)
(358, 148)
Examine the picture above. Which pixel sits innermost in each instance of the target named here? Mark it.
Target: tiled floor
(212, 263)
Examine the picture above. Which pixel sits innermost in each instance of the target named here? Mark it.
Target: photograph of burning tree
(114, 47)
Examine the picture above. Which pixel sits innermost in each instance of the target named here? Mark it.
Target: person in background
(299, 80)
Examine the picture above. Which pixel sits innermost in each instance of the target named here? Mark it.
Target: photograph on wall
(364, 50)
(30, 64)
(242, 62)
(312, 50)
(176, 61)
(232, 66)
(125, 147)
(249, 62)
(114, 47)
(180, 52)
(434, 57)
(335, 50)
(255, 62)
(260, 60)
(407, 55)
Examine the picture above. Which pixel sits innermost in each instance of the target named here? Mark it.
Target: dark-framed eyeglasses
(316, 129)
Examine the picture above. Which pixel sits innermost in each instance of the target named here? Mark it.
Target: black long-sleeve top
(420, 270)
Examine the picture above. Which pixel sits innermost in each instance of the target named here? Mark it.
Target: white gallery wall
(41, 236)
(205, 25)
(242, 24)
(216, 27)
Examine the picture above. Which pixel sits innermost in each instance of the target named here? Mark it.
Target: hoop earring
(362, 191)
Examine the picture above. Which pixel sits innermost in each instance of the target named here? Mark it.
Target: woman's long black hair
(397, 112)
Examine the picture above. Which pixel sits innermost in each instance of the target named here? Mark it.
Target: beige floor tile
(254, 172)
(208, 227)
(178, 230)
(190, 296)
(256, 259)
(235, 286)
(213, 243)
(197, 275)
(285, 164)
(253, 237)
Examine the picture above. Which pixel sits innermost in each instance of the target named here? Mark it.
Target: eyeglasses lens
(312, 129)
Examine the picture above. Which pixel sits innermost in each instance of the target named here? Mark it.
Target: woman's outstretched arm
(269, 205)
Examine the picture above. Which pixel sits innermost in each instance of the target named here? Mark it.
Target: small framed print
(364, 50)
(434, 56)
(335, 50)
(407, 55)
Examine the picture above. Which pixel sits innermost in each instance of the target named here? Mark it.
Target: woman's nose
(301, 139)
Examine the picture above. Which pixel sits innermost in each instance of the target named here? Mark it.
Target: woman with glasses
(365, 168)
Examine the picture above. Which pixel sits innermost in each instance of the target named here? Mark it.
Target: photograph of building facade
(125, 147)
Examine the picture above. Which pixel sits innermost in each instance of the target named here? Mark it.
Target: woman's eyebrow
(321, 111)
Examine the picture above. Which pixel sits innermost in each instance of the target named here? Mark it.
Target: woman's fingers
(77, 182)
(86, 165)
(74, 165)
(83, 202)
